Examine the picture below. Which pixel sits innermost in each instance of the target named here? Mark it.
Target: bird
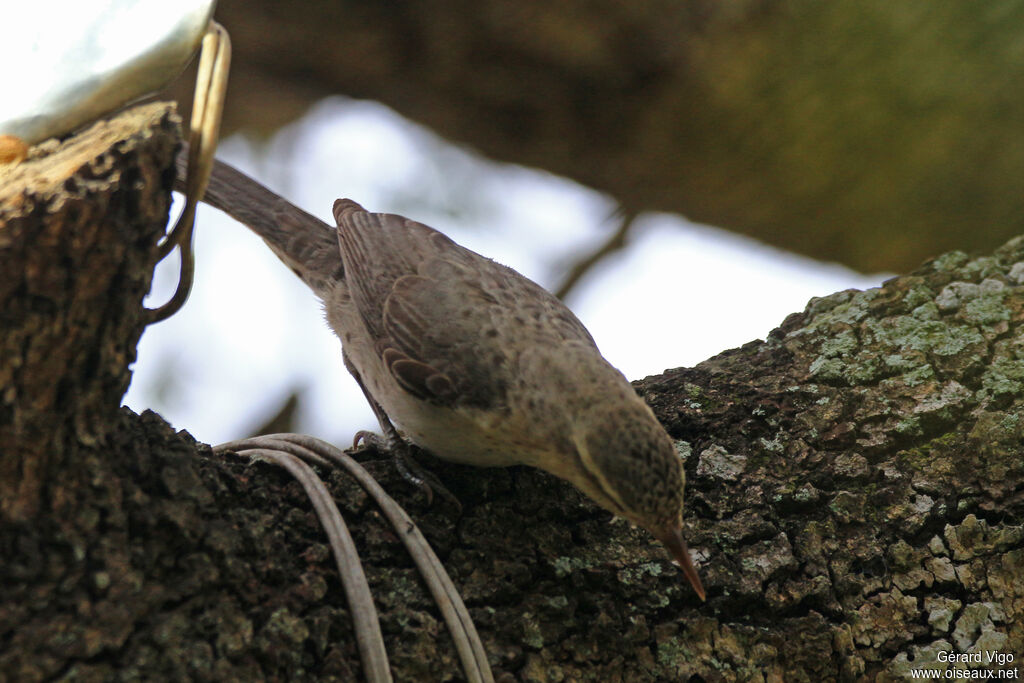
(470, 360)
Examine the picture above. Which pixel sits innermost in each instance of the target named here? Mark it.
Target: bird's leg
(392, 443)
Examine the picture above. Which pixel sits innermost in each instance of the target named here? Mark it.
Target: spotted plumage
(471, 360)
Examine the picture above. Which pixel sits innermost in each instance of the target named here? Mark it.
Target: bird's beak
(673, 540)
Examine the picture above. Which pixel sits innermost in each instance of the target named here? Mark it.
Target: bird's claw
(411, 471)
(366, 439)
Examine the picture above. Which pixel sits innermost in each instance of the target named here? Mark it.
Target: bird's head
(629, 465)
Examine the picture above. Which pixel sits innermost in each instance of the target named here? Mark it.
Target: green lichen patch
(1003, 379)
(974, 537)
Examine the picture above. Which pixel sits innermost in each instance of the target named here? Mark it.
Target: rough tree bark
(855, 498)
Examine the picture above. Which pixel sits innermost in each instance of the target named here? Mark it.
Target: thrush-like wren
(472, 361)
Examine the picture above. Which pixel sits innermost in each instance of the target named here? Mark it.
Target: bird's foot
(414, 473)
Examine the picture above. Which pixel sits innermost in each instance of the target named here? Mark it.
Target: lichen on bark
(855, 495)
(882, 491)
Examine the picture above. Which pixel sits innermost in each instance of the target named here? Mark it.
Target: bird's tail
(307, 245)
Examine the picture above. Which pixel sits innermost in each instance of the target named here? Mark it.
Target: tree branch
(855, 491)
(615, 242)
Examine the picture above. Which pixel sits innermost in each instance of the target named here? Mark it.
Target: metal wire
(204, 129)
(453, 609)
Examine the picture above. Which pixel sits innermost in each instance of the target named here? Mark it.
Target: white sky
(251, 332)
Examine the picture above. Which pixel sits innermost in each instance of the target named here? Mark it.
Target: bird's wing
(446, 321)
